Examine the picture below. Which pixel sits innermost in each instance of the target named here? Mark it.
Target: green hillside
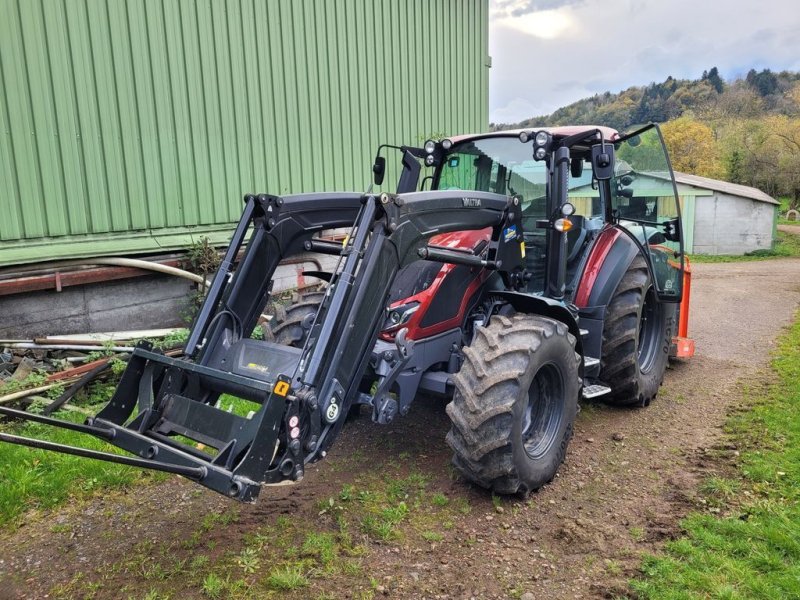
(745, 131)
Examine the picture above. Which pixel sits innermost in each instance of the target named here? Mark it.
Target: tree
(692, 147)
(765, 153)
(765, 82)
(714, 79)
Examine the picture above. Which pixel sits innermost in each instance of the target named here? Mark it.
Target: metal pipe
(82, 347)
(28, 392)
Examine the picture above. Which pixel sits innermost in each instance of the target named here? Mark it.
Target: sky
(549, 53)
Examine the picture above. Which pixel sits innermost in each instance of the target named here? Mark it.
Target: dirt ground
(630, 475)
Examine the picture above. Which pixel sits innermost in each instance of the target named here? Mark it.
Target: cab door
(644, 203)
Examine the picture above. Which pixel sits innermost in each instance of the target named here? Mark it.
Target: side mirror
(603, 161)
(576, 167)
(672, 230)
(379, 170)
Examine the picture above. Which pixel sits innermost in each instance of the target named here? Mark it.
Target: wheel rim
(542, 418)
(648, 332)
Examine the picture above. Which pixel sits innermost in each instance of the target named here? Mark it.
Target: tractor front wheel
(515, 401)
(637, 335)
(288, 323)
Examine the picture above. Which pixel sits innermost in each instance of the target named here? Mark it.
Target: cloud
(559, 51)
(515, 8)
(510, 112)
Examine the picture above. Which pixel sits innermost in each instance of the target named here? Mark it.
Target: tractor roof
(564, 131)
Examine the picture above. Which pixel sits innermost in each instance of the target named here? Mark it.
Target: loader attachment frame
(303, 394)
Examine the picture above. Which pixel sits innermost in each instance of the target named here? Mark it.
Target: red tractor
(538, 267)
(602, 248)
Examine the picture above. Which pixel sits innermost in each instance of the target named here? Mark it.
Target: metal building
(132, 126)
(725, 218)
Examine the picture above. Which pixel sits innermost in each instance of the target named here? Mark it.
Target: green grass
(753, 551)
(787, 245)
(39, 479)
(782, 210)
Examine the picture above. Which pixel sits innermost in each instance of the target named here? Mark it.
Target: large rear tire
(287, 324)
(515, 401)
(637, 335)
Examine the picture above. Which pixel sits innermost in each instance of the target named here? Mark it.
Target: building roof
(734, 189)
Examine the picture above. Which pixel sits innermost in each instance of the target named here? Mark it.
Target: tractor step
(590, 361)
(594, 391)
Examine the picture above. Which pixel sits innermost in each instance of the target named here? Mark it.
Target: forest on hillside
(745, 131)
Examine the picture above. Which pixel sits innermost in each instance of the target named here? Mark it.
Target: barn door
(644, 201)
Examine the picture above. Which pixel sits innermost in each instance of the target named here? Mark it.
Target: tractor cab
(601, 233)
(633, 190)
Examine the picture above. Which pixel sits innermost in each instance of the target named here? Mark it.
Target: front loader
(163, 410)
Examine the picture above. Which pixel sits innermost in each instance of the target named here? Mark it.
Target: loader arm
(303, 394)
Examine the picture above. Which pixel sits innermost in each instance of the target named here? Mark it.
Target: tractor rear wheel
(515, 401)
(637, 335)
(287, 324)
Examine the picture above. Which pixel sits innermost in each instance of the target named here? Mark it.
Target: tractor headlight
(567, 209)
(430, 147)
(524, 137)
(429, 160)
(447, 144)
(539, 153)
(399, 315)
(541, 139)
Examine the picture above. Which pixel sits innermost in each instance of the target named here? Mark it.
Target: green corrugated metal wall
(134, 125)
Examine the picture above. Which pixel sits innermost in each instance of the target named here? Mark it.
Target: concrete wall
(725, 224)
(141, 303)
(148, 302)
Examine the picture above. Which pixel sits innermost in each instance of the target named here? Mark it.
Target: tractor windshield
(504, 165)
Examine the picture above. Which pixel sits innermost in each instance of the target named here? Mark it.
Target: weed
(213, 586)
(347, 493)
(248, 560)
(203, 259)
(719, 490)
(462, 505)
(637, 533)
(286, 578)
(351, 568)
(432, 536)
(199, 562)
(439, 499)
(175, 339)
(320, 545)
(613, 567)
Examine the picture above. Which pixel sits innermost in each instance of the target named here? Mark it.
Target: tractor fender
(608, 261)
(547, 307)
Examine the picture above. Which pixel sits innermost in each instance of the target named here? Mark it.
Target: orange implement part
(682, 344)
(682, 347)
